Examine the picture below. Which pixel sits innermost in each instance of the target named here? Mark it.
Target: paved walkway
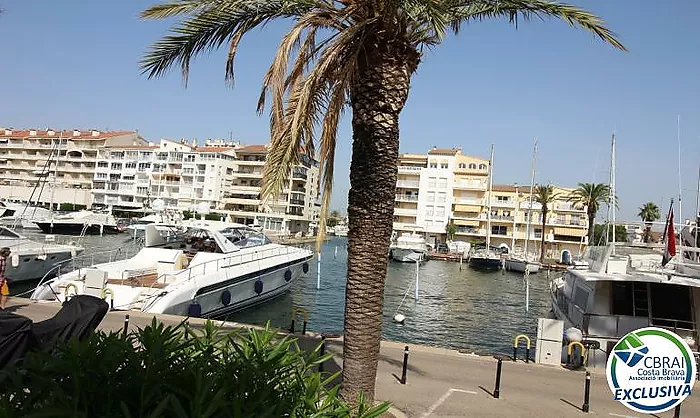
(444, 383)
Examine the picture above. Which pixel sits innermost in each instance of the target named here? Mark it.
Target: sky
(75, 64)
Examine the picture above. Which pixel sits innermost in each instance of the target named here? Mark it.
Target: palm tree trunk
(591, 227)
(544, 224)
(377, 98)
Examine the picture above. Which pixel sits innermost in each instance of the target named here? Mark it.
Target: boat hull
(485, 263)
(521, 265)
(407, 255)
(34, 266)
(76, 228)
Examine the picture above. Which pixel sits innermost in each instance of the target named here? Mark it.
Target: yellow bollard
(570, 350)
(516, 342)
(305, 315)
(109, 291)
(75, 290)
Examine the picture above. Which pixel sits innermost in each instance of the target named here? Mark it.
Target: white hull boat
(409, 248)
(32, 260)
(212, 269)
(520, 265)
(407, 255)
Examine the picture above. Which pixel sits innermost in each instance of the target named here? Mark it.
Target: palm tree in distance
(545, 196)
(591, 195)
(649, 213)
(359, 54)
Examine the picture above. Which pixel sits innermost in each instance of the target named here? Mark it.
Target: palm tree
(357, 54)
(545, 196)
(649, 213)
(591, 195)
(451, 230)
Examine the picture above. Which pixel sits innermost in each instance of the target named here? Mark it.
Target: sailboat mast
(680, 202)
(55, 172)
(697, 213)
(611, 197)
(488, 215)
(532, 186)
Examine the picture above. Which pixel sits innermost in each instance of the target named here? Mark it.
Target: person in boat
(4, 287)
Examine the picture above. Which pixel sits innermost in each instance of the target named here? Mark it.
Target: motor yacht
(32, 260)
(409, 248)
(622, 288)
(82, 222)
(211, 269)
(521, 263)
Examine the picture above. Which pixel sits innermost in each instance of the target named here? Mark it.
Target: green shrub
(178, 372)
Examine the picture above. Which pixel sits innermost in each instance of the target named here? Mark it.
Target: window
(144, 166)
(428, 222)
(131, 165)
(440, 211)
(429, 211)
(442, 183)
(101, 175)
(431, 197)
(441, 197)
(482, 166)
(431, 182)
(538, 232)
(462, 165)
(444, 165)
(142, 190)
(503, 198)
(499, 230)
(116, 166)
(128, 178)
(472, 166)
(103, 164)
(433, 164)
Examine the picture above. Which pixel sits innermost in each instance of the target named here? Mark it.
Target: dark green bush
(178, 372)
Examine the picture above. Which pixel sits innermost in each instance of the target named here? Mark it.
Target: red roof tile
(213, 149)
(84, 135)
(443, 151)
(253, 149)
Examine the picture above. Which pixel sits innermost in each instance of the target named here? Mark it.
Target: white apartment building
(225, 175)
(47, 166)
(446, 186)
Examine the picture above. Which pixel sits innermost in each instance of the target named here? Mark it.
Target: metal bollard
(405, 365)
(323, 352)
(303, 329)
(677, 411)
(497, 389)
(291, 327)
(587, 394)
(126, 325)
(527, 354)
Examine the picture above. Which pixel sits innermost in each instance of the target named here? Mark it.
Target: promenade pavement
(444, 383)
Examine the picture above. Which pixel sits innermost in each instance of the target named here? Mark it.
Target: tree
(649, 213)
(545, 196)
(451, 230)
(600, 236)
(359, 54)
(591, 195)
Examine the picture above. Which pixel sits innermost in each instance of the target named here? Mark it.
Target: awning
(467, 208)
(572, 232)
(464, 222)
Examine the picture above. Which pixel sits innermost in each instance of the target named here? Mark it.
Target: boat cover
(16, 337)
(78, 318)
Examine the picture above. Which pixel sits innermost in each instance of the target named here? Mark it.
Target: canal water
(464, 310)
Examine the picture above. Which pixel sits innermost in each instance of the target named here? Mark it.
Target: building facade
(51, 166)
(226, 176)
(445, 186)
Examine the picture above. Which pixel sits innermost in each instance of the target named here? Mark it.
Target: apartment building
(49, 165)
(224, 175)
(446, 186)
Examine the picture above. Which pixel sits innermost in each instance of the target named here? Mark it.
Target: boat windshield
(6, 233)
(245, 237)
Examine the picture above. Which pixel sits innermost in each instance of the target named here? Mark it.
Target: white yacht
(409, 248)
(163, 220)
(21, 216)
(623, 288)
(341, 230)
(32, 260)
(211, 269)
(84, 222)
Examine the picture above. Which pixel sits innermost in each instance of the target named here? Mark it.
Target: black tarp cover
(16, 337)
(78, 318)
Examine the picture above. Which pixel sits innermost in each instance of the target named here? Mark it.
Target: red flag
(670, 240)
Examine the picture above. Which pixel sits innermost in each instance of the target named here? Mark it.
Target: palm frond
(464, 11)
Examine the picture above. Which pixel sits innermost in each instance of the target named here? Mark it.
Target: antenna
(680, 202)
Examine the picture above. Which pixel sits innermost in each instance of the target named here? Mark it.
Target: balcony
(297, 202)
(470, 184)
(405, 212)
(408, 184)
(468, 201)
(510, 203)
(405, 226)
(249, 175)
(406, 198)
(502, 218)
(470, 231)
(242, 201)
(404, 169)
(569, 207)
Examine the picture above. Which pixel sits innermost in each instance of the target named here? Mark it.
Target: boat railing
(84, 261)
(616, 326)
(225, 262)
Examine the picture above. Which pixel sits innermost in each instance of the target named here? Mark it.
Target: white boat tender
(409, 248)
(623, 291)
(31, 260)
(213, 268)
(519, 263)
